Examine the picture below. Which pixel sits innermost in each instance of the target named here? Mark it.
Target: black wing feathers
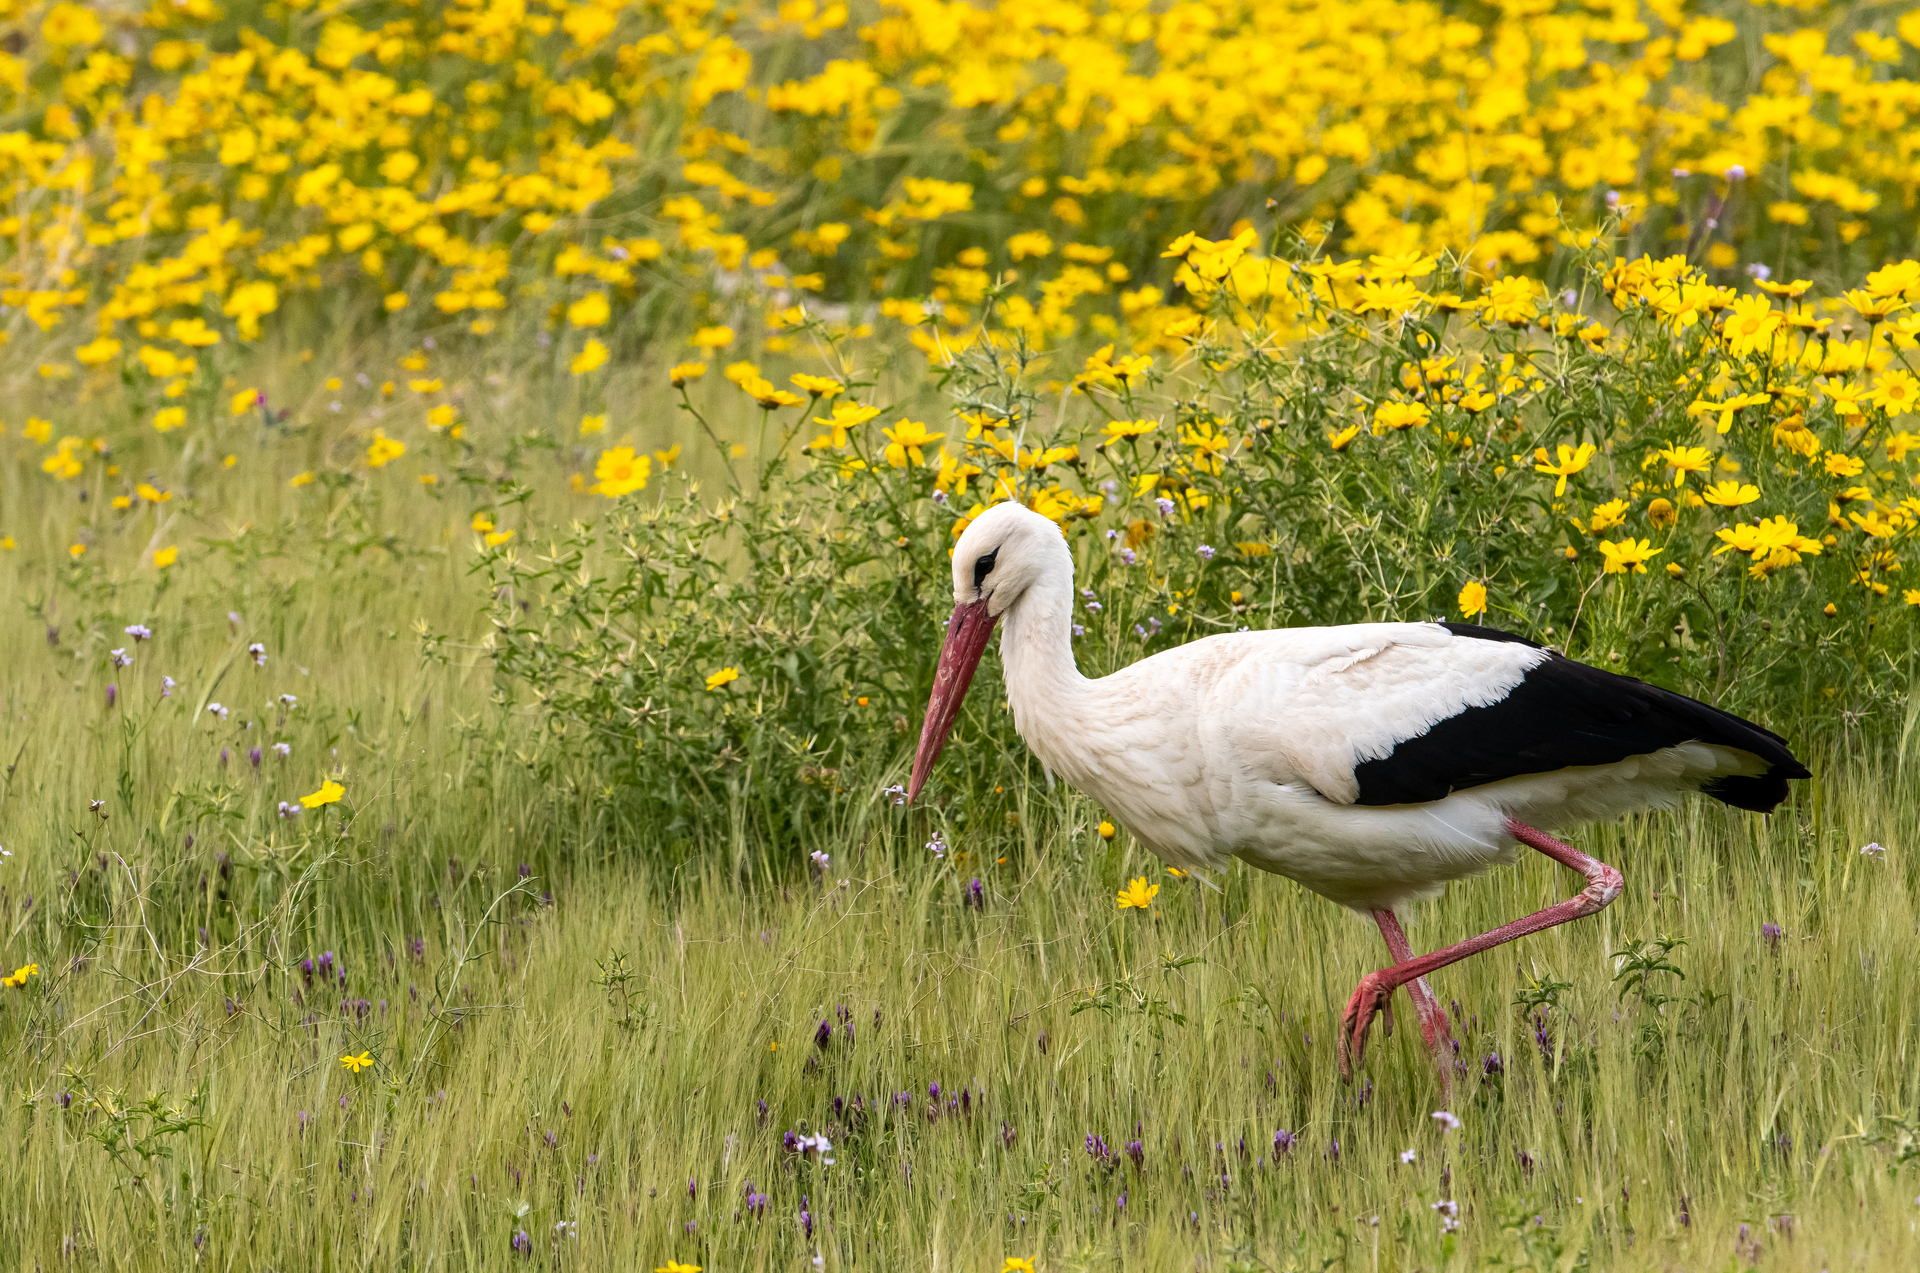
(1566, 714)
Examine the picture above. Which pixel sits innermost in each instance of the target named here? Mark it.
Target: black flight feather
(1565, 714)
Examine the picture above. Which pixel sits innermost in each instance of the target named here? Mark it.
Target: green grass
(1760, 1117)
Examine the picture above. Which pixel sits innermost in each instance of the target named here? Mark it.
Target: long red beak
(967, 634)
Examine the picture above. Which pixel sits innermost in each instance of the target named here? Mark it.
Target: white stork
(1373, 763)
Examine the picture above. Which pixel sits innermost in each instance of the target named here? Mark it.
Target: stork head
(1002, 553)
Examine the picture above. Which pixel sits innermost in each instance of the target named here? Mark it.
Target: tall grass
(589, 1044)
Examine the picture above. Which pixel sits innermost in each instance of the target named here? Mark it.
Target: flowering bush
(1706, 489)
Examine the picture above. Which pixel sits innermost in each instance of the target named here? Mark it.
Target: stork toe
(1373, 995)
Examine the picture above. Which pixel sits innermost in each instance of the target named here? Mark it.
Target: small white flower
(167, 684)
(259, 653)
(288, 700)
(138, 631)
(282, 750)
(217, 710)
(820, 859)
(937, 846)
(120, 657)
(5, 852)
(1164, 504)
(1876, 851)
(1407, 1155)
(1447, 1121)
(1205, 551)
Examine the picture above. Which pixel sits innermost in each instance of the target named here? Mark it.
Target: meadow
(476, 491)
(593, 1052)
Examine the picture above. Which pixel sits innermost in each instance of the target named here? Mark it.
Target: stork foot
(1373, 994)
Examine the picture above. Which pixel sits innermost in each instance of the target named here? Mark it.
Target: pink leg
(1434, 1027)
(1376, 988)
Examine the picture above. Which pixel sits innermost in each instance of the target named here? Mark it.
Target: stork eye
(982, 567)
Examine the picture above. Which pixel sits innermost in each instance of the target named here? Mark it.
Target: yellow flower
(1399, 415)
(1473, 599)
(443, 415)
(151, 493)
(1911, 596)
(167, 419)
(1731, 494)
(667, 457)
(713, 337)
(681, 373)
(904, 441)
(20, 975)
(1727, 409)
(69, 25)
(300, 479)
(1510, 300)
(355, 1064)
(590, 310)
(674, 1266)
(1660, 512)
(76, 551)
(846, 415)
(1751, 324)
(329, 793)
(1138, 894)
(427, 384)
(396, 301)
(1395, 297)
(245, 400)
(164, 557)
(192, 331)
(1571, 462)
(384, 450)
(1106, 829)
(96, 352)
(1684, 460)
(1627, 554)
(1114, 430)
(1838, 465)
(498, 537)
(1016, 1264)
(592, 423)
(818, 386)
(594, 355)
(621, 472)
(1608, 515)
(1896, 393)
(1338, 441)
(725, 676)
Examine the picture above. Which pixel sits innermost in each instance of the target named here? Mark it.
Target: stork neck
(1036, 651)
